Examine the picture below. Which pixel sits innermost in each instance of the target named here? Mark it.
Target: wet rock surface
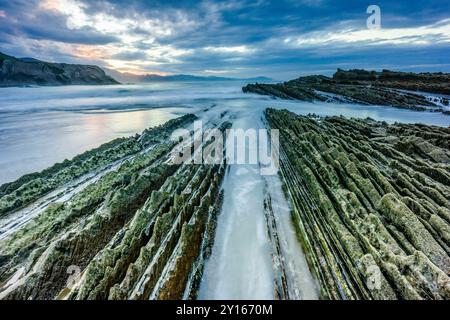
(140, 230)
(30, 187)
(396, 89)
(371, 204)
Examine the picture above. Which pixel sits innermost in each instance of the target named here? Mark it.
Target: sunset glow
(163, 38)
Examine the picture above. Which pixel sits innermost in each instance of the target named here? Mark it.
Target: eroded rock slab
(142, 230)
(371, 204)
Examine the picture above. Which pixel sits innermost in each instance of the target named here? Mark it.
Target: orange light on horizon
(89, 52)
(134, 67)
(137, 72)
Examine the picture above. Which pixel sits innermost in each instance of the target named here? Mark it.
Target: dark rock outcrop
(21, 72)
(397, 89)
(426, 82)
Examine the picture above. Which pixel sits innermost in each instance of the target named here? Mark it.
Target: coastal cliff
(26, 71)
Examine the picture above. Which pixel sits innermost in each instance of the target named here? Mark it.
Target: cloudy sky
(240, 38)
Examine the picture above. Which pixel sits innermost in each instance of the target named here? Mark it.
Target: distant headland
(28, 71)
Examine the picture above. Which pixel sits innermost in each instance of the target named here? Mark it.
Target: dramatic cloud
(437, 33)
(235, 38)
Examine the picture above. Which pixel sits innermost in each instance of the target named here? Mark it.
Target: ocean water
(41, 126)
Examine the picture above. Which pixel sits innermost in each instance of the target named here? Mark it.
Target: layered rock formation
(30, 187)
(371, 204)
(20, 72)
(425, 82)
(121, 221)
(397, 89)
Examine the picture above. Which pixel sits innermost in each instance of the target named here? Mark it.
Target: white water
(40, 126)
(301, 283)
(240, 266)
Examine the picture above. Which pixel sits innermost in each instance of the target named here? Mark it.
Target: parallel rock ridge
(418, 91)
(426, 82)
(20, 72)
(30, 187)
(370, 204)
(140, 229)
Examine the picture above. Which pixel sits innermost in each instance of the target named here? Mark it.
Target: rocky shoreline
(370, 204)
(421, 92)
(139, 231)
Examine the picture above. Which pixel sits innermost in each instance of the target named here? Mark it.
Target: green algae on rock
(31, 186)
(370, 204)
(133, 222)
